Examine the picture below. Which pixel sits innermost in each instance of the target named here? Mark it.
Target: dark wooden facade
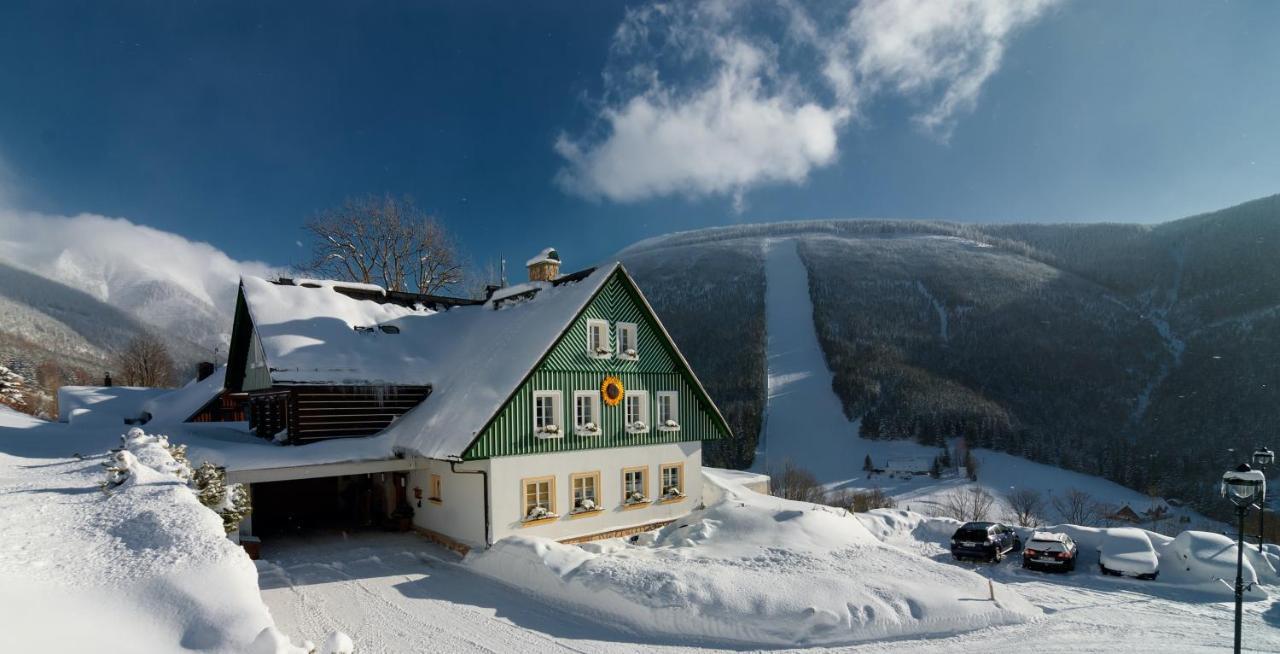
(307, 413)
(227, 407)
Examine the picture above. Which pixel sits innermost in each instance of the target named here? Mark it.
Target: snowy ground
(397, 593)
(806, 425)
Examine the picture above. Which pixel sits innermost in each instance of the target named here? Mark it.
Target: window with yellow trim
(539, 498)
(585, 487)
(635, 485)
(435, 495)
(672, 477)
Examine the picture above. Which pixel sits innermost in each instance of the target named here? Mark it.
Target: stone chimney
(544, 267)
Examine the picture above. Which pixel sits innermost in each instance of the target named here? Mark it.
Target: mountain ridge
(1082, 345)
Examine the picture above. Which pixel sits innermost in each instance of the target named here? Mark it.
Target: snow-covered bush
(229, 501)
(139, 448)
(639, 425)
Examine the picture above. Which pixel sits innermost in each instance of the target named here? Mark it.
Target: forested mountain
(53, 334)
(1142, 353)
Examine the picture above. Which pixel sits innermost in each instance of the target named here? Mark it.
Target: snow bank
(1194, 559)
(141, 566)
(103, 405)
(755, 570)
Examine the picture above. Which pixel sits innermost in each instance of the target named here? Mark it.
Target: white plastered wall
(506, 491)
(460, 512)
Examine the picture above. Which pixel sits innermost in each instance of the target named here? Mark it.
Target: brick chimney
(544, 267)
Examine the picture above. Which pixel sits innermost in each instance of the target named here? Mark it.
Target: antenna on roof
(502, 279)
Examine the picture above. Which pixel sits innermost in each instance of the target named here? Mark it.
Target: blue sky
(591, 125)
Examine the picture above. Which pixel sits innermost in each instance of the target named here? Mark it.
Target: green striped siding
(568, 368)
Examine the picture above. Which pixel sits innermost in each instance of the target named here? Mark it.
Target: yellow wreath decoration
(612, 391)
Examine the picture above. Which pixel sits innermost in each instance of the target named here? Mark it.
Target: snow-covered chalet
(559, 407)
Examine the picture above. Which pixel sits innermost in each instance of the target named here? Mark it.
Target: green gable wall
(568, 368)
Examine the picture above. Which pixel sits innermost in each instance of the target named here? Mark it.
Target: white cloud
(102, 256)
(948, 47)
(725, 137)
(699, 100)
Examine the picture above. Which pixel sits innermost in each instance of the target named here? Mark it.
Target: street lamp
(1262, 457)
(1243, 486)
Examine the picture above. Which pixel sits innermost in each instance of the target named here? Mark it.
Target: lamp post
(1262, 457)
(1243, 486)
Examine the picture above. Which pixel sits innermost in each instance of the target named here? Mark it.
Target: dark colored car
(1049, 551)
(985, 541)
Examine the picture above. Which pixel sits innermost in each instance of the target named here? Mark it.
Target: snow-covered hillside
(805, 423)
(182, 289)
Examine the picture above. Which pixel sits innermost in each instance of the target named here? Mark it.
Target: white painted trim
(592, 324)
(646, 416)
(634, 331)
(557, 413)
(596, 417)
(675, 410)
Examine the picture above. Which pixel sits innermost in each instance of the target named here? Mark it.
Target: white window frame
(557, 414)
(593, 399)
(633, 333)
(675, 410)
(603, 326)
(645, 415)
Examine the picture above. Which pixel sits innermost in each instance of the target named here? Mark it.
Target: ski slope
(805, 422)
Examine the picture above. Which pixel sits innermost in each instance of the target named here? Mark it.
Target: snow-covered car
(986, 541)
(1050, 551)
(1128, 551)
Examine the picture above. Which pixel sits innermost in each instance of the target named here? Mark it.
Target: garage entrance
(341, 503)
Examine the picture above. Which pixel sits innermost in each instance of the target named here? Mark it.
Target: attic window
(389, 329)
(598, 345)
(627, 342)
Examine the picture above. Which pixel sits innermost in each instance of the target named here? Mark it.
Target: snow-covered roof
(473, 357)
(309, 335)
(547, 255)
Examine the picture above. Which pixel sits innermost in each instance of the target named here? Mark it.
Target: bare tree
(971, 504)
(1077, 507)
(1025, 506)
(145, 361)
(383, 240)
(795, 483)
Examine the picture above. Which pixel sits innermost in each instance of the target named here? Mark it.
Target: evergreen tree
(935, 469)
(13, 389)
(866, 464)
(229, 502)
(944, 459)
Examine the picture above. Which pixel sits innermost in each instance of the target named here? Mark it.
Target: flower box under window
(549, 431)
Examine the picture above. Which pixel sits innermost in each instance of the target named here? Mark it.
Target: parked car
(1050, 551)
(1128, 551)
(987, 541)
